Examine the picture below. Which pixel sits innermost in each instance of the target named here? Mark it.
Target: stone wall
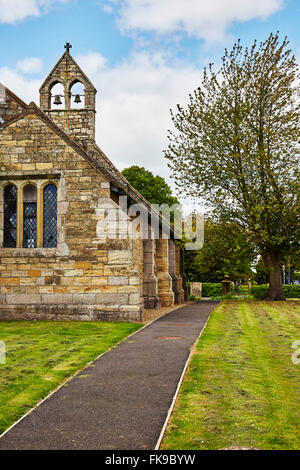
(77, 123)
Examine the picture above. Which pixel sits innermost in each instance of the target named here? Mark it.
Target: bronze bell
(77, 99)
(57, 100)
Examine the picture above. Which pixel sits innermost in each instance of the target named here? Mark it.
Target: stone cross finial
(68, 46)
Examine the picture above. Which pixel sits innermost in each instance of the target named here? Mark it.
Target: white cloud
(134, 99)
(208, 19)
(30, 65)
(12, 11)
(26, 89)
(107, 8)
(92, 62)
(2, 94)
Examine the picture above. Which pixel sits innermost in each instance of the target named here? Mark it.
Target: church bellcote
(69, 98)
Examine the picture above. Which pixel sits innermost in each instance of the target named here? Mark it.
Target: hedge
(292, 292)
(210, 289)
(260, 292)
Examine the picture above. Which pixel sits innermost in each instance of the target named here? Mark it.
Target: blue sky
(144, 56)
(89, 27)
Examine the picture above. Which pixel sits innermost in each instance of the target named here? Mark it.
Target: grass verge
(41, 355)
(242, 388)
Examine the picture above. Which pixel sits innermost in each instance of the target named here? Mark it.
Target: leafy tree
(261, 275)
(153, 188)
(227, 250)
(237, 144)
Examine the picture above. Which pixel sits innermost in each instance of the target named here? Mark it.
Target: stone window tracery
(29, 215)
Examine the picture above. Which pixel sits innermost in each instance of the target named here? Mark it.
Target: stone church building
(53, 182)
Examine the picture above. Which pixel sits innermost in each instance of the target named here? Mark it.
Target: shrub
(194, 298)
(260, 292)
(292, 292)
(211, 290)
(237, 298)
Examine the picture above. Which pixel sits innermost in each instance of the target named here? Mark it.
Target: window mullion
(20, 218)
(40, 217)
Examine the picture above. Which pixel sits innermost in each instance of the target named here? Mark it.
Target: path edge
(171, 409)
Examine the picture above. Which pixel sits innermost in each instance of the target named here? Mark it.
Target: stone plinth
(150, 288)
(165, 291)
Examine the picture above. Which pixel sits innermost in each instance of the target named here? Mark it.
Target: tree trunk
(275, 276)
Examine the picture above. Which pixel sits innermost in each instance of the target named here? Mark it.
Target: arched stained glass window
(10, 217)
(29, 216)
(50, 216)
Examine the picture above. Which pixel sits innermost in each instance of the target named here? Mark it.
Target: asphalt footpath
(120, 401)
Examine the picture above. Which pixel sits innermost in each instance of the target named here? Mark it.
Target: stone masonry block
(134, 299)
(23, 299)
(116, 257)
(57, 298)
(112, 299)
(117, 281)
(134, 281)
(84, 299)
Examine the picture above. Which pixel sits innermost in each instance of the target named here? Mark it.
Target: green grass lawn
(242, 388)
(41, 355)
